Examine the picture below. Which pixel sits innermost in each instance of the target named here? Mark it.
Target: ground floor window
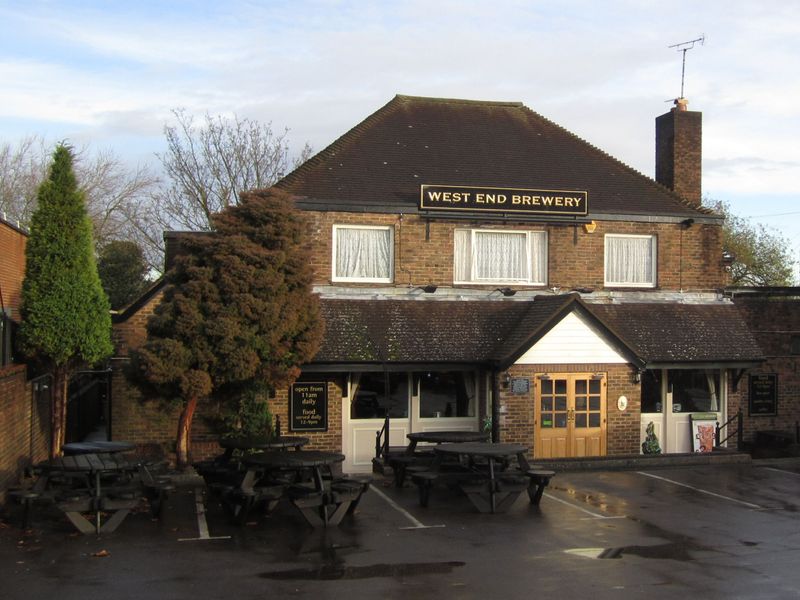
(446, 394)
(694, 390)
(370, 399)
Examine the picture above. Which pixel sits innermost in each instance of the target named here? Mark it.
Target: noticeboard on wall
(763, 395)
(308, 406)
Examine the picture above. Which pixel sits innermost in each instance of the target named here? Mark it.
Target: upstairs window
(362, 253)
(630, 260)
(489, 256)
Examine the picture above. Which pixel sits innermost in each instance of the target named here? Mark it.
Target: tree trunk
(183, 443)
(58, 411)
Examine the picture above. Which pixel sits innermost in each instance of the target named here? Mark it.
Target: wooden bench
(156, 489)
(539, 479)
(357, 484)
(27, 498)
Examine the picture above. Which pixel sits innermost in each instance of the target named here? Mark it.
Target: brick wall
(24, 424)
(622, 427)
(12, 266)
(773, 321)
(688, 259)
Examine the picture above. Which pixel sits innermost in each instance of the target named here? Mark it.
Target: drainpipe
(495, 406)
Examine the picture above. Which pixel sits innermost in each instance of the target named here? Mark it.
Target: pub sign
(503, 200)
(308, 406)
(764, 394)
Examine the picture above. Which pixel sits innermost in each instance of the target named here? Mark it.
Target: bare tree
(118, 197)
(23, 168)
(209, 164)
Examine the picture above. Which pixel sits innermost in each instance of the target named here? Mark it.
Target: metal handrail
(739, 417)
(382, 440)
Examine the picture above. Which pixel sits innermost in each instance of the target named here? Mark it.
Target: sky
(109, 73)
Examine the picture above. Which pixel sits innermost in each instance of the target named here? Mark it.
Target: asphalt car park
(712, 531)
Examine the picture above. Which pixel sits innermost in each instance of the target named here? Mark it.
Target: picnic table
(97, 447)
(92, 483)
(305, 477)
(484, 474)
(416, 457)
(280, 442)
(226, 469)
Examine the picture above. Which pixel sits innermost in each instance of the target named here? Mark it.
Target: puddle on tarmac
(672, 551)
(340, 571)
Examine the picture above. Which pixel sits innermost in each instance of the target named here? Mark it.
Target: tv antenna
(684, 47)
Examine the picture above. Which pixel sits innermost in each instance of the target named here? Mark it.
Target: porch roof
(370, 332)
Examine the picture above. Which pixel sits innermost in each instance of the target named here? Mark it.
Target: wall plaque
(503, 200)
(308, 406)
(764, 394)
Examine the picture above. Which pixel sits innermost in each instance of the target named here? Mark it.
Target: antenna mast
(683, 47)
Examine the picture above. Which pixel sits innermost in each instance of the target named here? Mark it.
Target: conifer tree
(237, 311)
(65, 313)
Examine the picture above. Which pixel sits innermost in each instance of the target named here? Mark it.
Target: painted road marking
(702, 491)
(594, 515)
(416, 523)
(202, 524)
(781, 471)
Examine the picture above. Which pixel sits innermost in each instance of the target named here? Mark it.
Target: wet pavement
(712, 531)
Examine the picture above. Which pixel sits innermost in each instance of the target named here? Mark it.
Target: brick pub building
(480, 266)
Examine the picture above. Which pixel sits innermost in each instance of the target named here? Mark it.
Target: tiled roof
(411, 141)
(498, 332)
(676, 333)
(409, 331)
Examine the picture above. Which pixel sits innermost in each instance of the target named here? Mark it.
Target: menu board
(308, 406)
(764, 394)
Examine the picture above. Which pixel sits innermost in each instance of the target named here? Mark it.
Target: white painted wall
(572, 340)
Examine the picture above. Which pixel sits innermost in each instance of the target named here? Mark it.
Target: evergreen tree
(237, 311)
(65, 313)
(122, 271)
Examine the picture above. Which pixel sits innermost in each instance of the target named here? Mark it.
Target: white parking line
(416, 523)
(202, 524)
(580, 508)
(781, 471)
(702, 491)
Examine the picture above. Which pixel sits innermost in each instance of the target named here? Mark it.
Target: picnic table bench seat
(539, 479)
(156, 489)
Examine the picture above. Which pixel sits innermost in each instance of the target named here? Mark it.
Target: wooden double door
(570, 415)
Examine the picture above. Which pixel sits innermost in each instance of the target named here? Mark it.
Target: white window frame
(334, 247)
(653, 252)
(530, 236)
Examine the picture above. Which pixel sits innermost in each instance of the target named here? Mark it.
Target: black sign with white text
(764, 394)
(503, 200)
(308, 407)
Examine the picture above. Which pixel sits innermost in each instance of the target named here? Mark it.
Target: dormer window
(500, 256)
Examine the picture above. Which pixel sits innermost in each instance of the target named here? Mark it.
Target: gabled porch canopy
(385, 334)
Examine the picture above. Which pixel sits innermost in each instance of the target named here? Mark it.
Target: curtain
(363, 253)
(629, 260)
(462, 261)
(500, 256)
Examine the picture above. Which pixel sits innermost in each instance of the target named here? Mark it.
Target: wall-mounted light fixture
(428, 289)
(589, 227)
(507, 380)
(728, 258)
(506, 291)
(637, 376)
(686, 223)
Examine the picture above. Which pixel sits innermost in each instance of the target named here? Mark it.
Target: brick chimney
(679, 141)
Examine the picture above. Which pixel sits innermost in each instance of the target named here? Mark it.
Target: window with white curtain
(495, 256)
(630, 260)
(362, 253)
